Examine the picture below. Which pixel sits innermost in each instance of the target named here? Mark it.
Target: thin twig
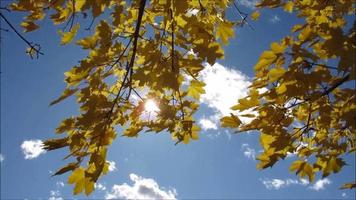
(129, 65)
(242, 15)
(326, 92)
(33, 47)
(321, 65)
(172, 41)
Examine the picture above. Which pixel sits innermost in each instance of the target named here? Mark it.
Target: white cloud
(304, 181)
(277, 184)
(32, 148)
(224, 86)
(248, 3)
(344, 195)
(320, 184)
(112, 166)
(275, 19)
(55, 195)
(207, 124)
(60, 184)
(2, 157)
(99, 186)
(142, 188)
(248, 152)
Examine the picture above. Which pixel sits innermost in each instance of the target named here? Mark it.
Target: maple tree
(147, 49)
(299, 102)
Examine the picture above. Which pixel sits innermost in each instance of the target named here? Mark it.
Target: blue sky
(220, 165)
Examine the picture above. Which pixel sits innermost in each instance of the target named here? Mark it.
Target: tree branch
(326, 92)
(33, 47)
(242, 15)
(129, 65)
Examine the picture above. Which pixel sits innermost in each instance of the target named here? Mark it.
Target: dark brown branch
(242, 15)
(3, 29)
(71, 19)
(172, 41)
(5, 8)
(326, 92)
(120, 56)
(129, 65)
(73, 15)
(90, 25)
(33, 47)
(135, 40)
(337, 84)
(139, 96)
(321, 65)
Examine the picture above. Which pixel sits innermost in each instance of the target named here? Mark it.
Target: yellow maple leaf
(289, 6)
(231, 121)
(77, 178)
(186, 139)
(275, 73)
(67, 37)
(224, 30)
(196, 89)
(255, 15)
(281, 89)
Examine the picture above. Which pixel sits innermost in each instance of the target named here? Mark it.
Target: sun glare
(151, 106)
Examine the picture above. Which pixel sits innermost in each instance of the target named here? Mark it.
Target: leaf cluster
(303, 93)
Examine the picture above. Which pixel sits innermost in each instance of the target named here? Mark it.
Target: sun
(151, 106)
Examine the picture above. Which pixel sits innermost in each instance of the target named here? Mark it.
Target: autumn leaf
(349, 186)
(66, 93)
(142, 46)
(29, 26)
(196, 88)
(68, 167)
(281, 89)
(224, 31)
(275, 73)
(78, 179)
(231, 121)
(289, 6)
(67, 37)
(255, 15)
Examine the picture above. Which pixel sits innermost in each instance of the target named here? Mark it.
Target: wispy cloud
(223, 87)
(142, 188)
(344, 195)
(55, 195)
(248, 152)
(2, 157)
(320, 184)
(32, 149)
(99, 186)
(275, 19)
(112, 166)
(276, 184)
(60, 184)
(248, 3)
